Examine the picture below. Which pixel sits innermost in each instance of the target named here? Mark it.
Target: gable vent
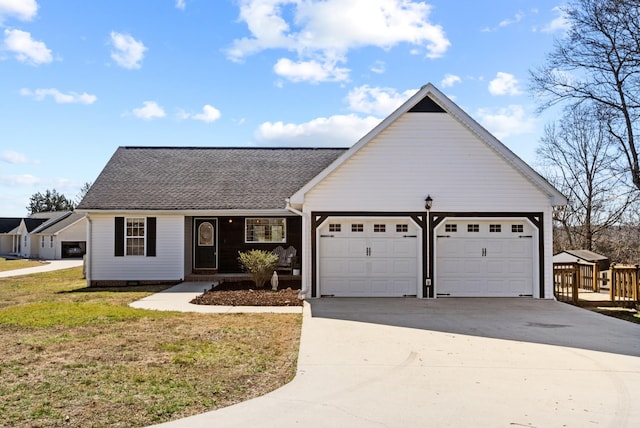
(426, 105)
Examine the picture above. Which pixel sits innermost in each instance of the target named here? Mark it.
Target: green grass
(73, 356)
(10, 264)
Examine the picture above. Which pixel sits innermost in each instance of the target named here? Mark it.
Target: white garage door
(484, 258)
(364, 258)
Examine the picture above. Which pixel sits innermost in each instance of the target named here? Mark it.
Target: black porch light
(428, 202)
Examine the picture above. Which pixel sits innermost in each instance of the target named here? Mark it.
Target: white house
(48, 235)
(427, 204)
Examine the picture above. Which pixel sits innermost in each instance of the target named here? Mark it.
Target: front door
(205, 240)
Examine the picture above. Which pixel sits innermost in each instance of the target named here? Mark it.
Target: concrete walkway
(47, 266)
(451, 363)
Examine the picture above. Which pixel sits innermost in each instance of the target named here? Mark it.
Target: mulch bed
(244, 293)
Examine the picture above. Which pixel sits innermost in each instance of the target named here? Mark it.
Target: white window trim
(272, 220)
(127, 237)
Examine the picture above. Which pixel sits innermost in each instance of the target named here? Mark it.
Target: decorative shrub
(259, 263)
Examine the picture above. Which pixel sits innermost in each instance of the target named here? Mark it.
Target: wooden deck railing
(623, 281)
(624, 284)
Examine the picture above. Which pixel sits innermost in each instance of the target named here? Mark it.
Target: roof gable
(204, 178)
(430, 100)
(7, 224)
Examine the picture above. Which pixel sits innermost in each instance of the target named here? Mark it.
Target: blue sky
(79, 78)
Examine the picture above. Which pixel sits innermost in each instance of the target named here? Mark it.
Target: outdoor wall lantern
(428, 202)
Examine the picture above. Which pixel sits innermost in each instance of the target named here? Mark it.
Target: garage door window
(473, 228)
(357, 227)
(517, 228)
(451, 228)
(402, 228)
(495, 228)
(335, 227)
(379, 228)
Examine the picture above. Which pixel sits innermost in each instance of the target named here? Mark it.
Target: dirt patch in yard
(244, 293)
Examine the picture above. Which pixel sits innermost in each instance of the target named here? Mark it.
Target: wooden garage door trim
(435, 218)
(318, 217)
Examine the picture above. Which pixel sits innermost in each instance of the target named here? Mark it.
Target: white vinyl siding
(168, 264)
(420, 154)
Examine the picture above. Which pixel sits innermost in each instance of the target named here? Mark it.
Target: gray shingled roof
(587, 255)
(59, 223)
(192, 178)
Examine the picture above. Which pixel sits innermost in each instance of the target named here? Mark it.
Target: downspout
(304, 290)
(88, 258)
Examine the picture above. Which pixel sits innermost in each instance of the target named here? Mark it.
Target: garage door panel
(334, 247)
(472, 266)
(491, 259)
(393, 287)
(376, 258)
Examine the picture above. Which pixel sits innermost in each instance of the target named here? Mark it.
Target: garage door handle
(409, 236)
(525, 236)
(443, 236)
(327, 236)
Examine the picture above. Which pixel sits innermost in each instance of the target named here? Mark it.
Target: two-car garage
(472, 257)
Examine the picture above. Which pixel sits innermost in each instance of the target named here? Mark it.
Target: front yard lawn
(73, 356)
(10, 264)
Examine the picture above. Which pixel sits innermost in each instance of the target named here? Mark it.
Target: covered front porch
(212, 243)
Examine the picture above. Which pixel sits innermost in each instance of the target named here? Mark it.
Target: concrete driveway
(451, 363)
(47, 266)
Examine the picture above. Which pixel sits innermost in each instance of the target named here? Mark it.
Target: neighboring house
(9, 238)
(358, 217)
(62, 237)
(584, 256)
(47, 235)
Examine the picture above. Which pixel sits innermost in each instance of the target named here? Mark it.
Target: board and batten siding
(168, 264)
(420, 154)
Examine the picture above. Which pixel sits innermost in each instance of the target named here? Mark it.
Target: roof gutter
(293, 210)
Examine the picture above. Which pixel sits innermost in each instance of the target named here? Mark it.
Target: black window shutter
(151, 236)
(119, 237)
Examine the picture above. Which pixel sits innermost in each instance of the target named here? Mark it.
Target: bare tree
(598, 62)
(577, 153)
(83, 191)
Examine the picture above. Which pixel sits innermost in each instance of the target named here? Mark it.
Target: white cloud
(510, 21)
(559, 23)
(505, 23)
(322, 32)
(25, 48)
(25, 10)
(10, 156)
(181, 4)
(127, 52)
(507, 122)
(377, 101)
(310, 71)
(19, 180)
(59, 97)
(209, 114)
(333, 131)
(450, 80)
(504, 84)
(150, 110)
(378, 67)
